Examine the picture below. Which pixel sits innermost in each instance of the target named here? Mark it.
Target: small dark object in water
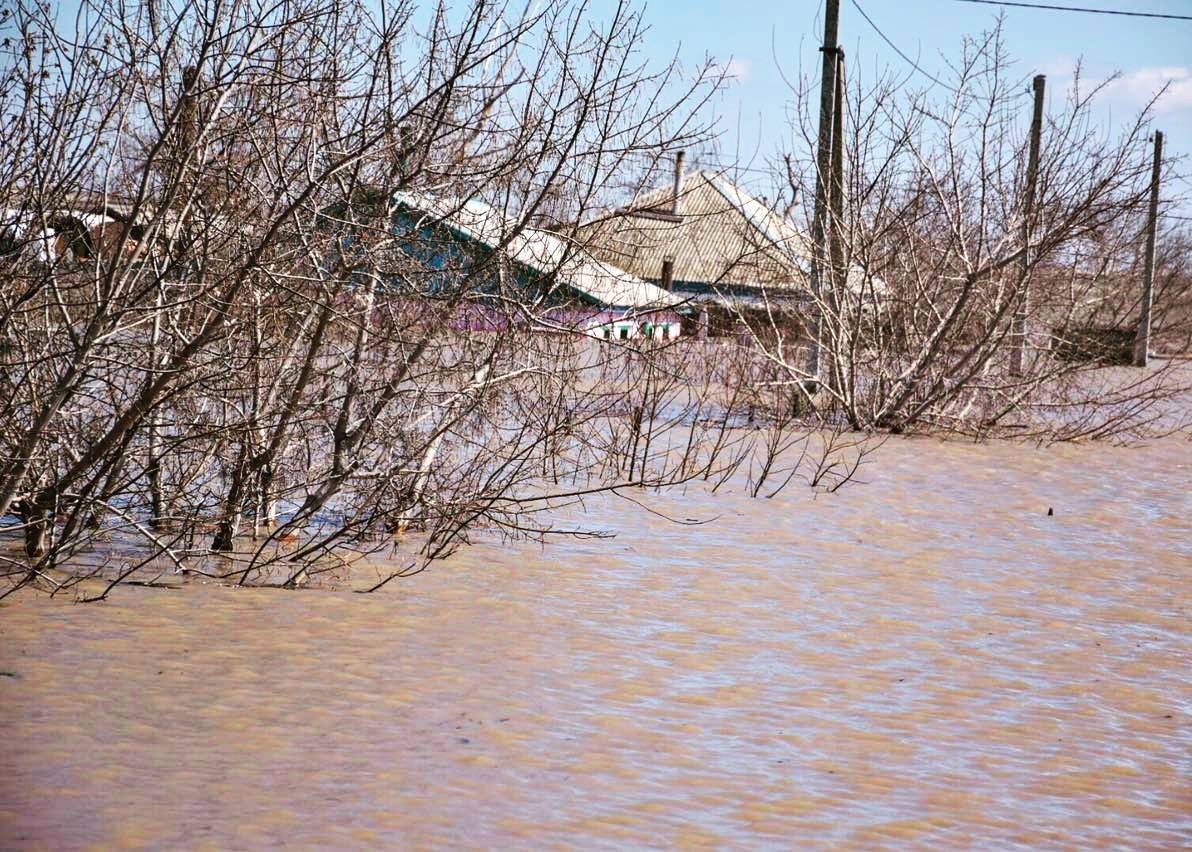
(9, 674)
(1050, 511)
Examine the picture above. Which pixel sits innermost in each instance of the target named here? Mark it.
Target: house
(71, 236)
(707, 239)
(81, 226)
(575, 289)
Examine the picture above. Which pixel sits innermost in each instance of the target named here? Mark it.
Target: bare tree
(234, 345)
(929, 269)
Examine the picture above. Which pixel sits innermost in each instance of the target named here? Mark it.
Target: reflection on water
(929, 658)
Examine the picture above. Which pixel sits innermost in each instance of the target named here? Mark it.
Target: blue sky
(753, 36)
(748, 33)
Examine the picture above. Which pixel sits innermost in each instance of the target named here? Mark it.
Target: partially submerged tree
(259, 359)
(930, 287)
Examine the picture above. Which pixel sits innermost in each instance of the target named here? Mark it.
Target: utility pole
(1018, 324)
(823, 164)
(838, 276)
(1142, 339)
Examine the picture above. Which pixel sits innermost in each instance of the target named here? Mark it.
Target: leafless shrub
(929, 269)
(241, 355)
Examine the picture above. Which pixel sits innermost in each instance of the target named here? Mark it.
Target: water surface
(929, 658)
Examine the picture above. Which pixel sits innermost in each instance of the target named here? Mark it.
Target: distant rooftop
(542, 251)
(721, 236)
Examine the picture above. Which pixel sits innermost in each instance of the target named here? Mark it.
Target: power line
(1080, 9)
(710, 161)
(732, 166)
(894, 47)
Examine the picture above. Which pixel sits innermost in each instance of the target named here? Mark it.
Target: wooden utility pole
(821, 223)
(1018, 324)
(838, 277)
(1142, 338)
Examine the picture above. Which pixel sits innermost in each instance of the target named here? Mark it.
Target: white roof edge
(601, 281)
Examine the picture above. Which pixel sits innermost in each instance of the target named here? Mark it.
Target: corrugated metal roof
(726, 239)
(793, 243)
(542, 251)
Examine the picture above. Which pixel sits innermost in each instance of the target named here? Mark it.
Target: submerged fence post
(1142, 338)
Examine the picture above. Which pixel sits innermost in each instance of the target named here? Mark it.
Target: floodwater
(927, 659)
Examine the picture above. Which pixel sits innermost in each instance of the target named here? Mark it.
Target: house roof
(725, 237)
(542, 251)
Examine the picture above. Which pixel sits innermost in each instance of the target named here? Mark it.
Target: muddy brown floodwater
(926, 659)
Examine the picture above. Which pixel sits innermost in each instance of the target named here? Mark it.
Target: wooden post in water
(1142, 338)
(1018, 332)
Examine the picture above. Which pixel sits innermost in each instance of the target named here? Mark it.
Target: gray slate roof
(726, 237)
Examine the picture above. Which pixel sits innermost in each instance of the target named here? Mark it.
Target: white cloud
(1059, 67)
(1133, 89)
(1139, 86)
(736, 70)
